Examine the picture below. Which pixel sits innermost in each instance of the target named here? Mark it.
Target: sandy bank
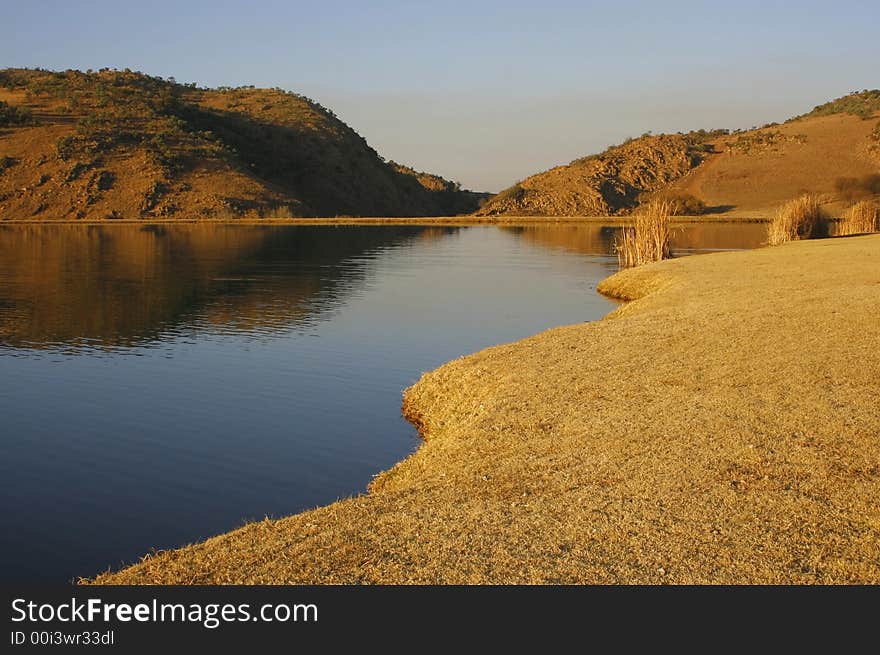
(723, 427)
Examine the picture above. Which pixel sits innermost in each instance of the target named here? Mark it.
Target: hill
(833, 150)
(122, 144)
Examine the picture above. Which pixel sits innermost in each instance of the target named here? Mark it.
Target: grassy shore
(722, 427)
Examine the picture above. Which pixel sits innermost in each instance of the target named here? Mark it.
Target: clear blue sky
(485, 92)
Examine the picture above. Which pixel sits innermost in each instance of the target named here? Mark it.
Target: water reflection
(686, 238)
(77, 287)
(88, 286)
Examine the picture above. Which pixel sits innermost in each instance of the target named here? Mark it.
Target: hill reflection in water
(75, 287)
(591, 239)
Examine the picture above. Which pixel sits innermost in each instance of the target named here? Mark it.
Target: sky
(482, 92)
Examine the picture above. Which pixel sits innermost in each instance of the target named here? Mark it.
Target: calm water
(159, 385)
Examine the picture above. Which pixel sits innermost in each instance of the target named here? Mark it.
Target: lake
(161, 384)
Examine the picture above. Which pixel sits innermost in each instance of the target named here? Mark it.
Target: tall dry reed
(801, 218)
(862, 218)
(648, 239)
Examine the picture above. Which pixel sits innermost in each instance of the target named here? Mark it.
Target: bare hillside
(120, 144)
(833, 151)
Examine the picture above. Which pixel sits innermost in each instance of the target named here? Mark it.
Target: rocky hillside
(833, 150)
(121, 144)
(608, 183)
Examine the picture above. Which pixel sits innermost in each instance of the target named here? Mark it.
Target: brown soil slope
(754, 172)
(719, 428)
(117, 144)
(740, 174)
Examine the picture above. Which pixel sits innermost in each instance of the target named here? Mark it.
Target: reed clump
(862, 218)
(648, 239)
(801, 218)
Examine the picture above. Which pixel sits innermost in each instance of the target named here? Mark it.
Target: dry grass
(648, 240)
(862, 218)
(801, 218)
(721, 428)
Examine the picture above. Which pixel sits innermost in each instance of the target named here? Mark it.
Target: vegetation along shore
(720, 427)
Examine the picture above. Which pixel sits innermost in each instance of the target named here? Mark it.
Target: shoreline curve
(721, 427)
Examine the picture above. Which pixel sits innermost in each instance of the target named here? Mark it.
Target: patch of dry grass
(801, 218)
(648, 239)
(862, 218)
(719, 428)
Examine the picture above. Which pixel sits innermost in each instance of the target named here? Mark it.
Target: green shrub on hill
(12, 115)
(864, 104)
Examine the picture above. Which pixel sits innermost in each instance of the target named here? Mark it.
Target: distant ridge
(122, 144)
(834, 151)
